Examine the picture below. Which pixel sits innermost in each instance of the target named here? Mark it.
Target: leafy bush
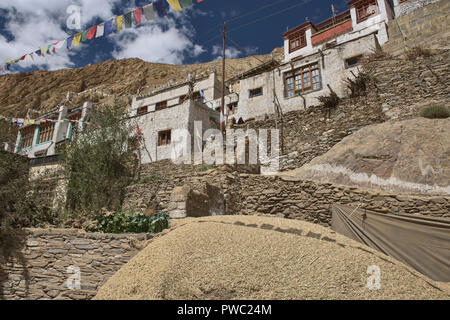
(123, 223)
(100, 162)
(203, 168)
(436, 112)
(148, 179)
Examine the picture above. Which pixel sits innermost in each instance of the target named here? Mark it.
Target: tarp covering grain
(419, 241)
(249, 257)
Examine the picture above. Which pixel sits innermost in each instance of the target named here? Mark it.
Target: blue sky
(190, 36)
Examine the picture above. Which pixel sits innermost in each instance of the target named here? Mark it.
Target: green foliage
(148, 179)
(99, 163)
(436, 112)
(123, 223)
(203, 168)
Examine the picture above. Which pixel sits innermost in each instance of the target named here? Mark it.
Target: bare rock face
(411, 156)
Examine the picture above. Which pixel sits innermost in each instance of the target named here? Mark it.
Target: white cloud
(169, 41)
(33, 25)
(231, 52)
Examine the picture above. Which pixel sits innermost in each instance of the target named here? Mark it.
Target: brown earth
(44, 90)
(244, 257)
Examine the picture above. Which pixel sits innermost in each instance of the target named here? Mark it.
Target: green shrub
(203, 168)
(124, 223)
(436, 112)
(148, 179)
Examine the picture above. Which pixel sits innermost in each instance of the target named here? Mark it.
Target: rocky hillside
(410, 156)
(43, 90)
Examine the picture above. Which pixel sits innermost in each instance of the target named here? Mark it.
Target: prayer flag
(69, 42)
(91, 33)
(119, 21)
(128, 20)
(100, 30)
(161, 7)
(108, 27)
(149, 12)
(175, 5)
(137, 15)
(76, 40)
(185, 3)
(23, 58)
(83, 36)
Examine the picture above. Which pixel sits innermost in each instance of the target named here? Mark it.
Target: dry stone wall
(50, 257)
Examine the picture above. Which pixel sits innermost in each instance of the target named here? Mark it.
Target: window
(302, 79)
(352, 62)
(161, 105)
(366, 9)
(196, 96)
(164, 138)
(255, 92)
(142, 110)
(232, 107)
(26, 137)
(72, 125)
(46, 133)
(297, 41)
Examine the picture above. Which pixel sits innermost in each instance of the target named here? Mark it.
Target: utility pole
(222, 106)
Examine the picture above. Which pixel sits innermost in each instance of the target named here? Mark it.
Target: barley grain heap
(243, 257)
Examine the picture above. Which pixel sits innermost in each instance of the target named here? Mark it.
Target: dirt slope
(43, 90)
(411, 156)
(248, 257)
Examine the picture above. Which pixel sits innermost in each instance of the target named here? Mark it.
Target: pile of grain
(237, 257)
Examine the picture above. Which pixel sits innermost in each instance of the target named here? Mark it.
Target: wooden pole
(222, 106)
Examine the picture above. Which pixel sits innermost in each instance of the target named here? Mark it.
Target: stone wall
(41, 269)
(421, 23)
(250, 194)
(306, 200)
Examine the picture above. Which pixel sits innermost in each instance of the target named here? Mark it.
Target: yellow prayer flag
(175, 4)
(60, 121)
(76, 39)
(119, 21)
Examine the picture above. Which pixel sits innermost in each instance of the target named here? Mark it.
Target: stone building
(402, 7)
(42, 137)
(318, 58)
(164, 116)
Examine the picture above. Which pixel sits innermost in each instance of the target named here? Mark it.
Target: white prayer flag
(149, 12)
(100, 30)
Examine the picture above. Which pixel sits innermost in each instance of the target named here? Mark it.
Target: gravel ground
(248, 257)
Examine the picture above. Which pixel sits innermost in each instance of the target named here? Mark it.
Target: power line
(242, 49)
(269, 16)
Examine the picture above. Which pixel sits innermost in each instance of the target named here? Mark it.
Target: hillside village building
(42, 138)
(318, 58)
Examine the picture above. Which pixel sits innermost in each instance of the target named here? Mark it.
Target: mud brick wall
(40, 269)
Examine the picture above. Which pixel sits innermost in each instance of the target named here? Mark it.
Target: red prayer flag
(137, 15)
(91, 33)
(23, 58)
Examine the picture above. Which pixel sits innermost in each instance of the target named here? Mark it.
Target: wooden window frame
(297, 41)
(161, 105)
(164, 138)
(363, 12)
(27, 137)
(253, 93)
(295, 80)
(357, 58)
(45, 133)
(142, 110)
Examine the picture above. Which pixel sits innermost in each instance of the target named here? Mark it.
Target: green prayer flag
(83, 36)
(185, 3)
(128, 19)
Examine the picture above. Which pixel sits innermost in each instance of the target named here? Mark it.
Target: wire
(269, 16)
(240, 48)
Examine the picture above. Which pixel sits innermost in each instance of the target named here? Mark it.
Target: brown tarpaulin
(418, 241)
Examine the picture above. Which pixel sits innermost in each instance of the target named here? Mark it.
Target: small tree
(99, 163)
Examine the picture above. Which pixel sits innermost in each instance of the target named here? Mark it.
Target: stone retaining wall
(49, 258)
